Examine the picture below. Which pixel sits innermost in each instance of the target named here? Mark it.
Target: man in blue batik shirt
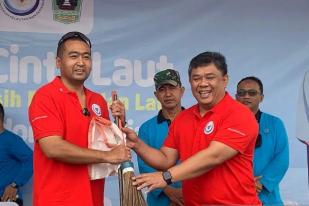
(271, 155)
(15, 163)
(153, 132)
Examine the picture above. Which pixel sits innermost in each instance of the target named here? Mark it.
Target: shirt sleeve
(277, 167)
(171, 140)
(44, 116)
(22, 153)
(238, 132)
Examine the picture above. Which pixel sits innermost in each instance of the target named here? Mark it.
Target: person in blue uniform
(271, 155)
(168, 91)
(15, 163)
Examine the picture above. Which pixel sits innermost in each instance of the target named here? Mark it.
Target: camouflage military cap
(168, 76)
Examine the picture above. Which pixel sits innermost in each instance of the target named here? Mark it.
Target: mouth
(79, 71)
(205, 94)
(247, 102)
(168, 101)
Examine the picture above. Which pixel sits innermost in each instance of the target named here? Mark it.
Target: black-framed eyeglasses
(74, 35)
(250, 92)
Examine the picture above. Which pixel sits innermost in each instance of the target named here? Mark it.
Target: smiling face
(208, 86)
(74, 62)
(249, 94)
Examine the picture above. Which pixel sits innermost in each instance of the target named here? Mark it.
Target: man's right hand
(132, 140)
(119, 153)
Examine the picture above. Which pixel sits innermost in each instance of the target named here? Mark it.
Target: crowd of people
(219, 151)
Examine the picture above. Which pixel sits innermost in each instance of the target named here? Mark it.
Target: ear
(182, 90)
(226, 80)
(190, 79)
(155, 93)
(58, 62)
(262, 98)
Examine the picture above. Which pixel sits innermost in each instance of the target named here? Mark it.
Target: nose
(204, 82)
(80, 60)
(168, 92)
(247, 95)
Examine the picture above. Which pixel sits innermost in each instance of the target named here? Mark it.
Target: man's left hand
(117, 109)
(149, 180)
(258, 184)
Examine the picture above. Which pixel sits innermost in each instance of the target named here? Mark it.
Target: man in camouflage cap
(153, 132)
(168, 76)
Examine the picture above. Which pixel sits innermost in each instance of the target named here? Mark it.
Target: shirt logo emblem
(209, 128)
(96, 109)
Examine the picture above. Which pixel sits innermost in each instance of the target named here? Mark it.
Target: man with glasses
(271, 155)
(60, 113)
(214, 141)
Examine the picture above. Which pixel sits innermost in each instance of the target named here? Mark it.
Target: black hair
(73, 35)
(1, 112)
(207, 58)
(255, 79)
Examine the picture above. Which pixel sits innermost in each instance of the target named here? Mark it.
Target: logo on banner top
(61, 16)
(21, 10)
(67, 11)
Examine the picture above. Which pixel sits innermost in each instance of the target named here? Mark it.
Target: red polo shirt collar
(218, 108)
(62, 88)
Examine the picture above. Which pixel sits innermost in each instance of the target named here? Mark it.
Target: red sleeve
(238, 131)
(44, 116)
(171, 140)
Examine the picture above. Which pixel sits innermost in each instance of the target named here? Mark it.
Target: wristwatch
(167, 177)
(14, 185)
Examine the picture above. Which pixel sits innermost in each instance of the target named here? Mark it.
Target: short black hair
(75, 35)
(1, 112)
(255, 79)
(207, 58)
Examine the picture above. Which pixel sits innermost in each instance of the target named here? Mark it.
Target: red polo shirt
(55, 110)
(228, 122)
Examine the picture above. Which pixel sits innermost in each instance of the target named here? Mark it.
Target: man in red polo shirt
(60, 113)
(213, 139)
